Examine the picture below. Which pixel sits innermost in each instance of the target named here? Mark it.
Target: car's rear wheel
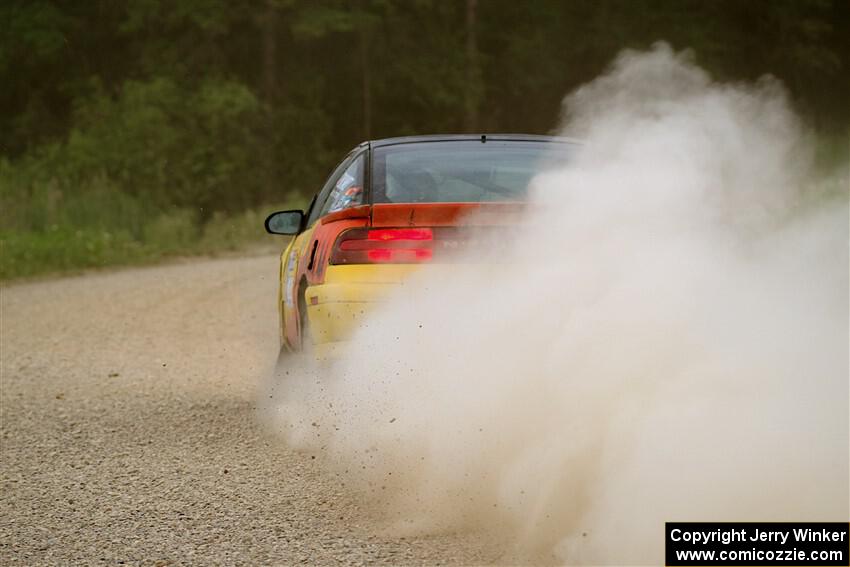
(304, 321)
(283, 354)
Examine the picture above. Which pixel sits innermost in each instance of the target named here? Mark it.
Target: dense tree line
(221, 105)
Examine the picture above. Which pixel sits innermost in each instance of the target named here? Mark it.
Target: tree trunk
(471, 92)
(271, 96)
(270, 25)
(366, 71)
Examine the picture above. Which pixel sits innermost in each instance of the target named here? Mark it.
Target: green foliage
(151, 121)
(175, 147)
(61, 248)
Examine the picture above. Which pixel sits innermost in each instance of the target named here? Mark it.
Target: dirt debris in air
(169, 464)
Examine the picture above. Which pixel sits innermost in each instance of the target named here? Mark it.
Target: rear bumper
(339, 310)
(341, 305)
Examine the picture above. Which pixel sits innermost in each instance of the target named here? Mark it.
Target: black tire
(283, 355)
(304, 321)
(280, 374)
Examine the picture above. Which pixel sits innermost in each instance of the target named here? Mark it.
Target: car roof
(469, 137)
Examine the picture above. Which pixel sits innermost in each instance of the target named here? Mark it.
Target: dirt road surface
(130, 431)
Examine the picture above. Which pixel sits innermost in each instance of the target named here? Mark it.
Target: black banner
(753, 543)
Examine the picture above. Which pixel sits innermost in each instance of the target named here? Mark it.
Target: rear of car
(397, 206)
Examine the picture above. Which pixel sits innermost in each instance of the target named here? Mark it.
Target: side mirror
(285, 222)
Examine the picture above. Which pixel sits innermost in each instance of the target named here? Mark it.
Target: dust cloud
(666, 339)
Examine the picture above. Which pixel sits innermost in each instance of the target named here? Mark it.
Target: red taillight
(383, 245)
(402, 256)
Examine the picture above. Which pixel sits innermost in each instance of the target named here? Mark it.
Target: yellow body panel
(286, 290)
(349, 294)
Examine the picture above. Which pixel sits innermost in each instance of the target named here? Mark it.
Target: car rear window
(460, 171)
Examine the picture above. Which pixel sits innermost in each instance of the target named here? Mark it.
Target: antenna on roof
(483, 138)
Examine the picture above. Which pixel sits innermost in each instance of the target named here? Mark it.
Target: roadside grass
(60, 249)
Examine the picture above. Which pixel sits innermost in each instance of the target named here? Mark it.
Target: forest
(132, 130)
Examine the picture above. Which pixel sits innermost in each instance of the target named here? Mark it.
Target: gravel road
(130, 431)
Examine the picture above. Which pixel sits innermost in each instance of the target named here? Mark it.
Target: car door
(298, 260)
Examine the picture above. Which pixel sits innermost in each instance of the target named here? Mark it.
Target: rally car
(390, 207)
